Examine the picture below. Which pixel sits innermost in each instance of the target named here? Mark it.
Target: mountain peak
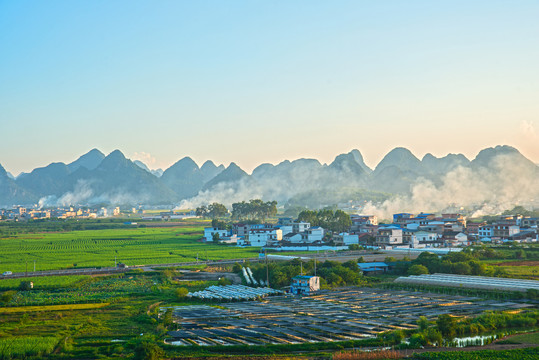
(90, 160)
(114, 160)
(401, 158)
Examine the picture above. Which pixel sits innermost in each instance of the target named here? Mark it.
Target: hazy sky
(263, 81)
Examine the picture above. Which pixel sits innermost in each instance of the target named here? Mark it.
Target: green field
(532, 338)
(43, 282)
(99, 248)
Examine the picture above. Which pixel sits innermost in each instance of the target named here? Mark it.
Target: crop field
(43, 282)
(518, 354)
(531, 338)
(100, 248)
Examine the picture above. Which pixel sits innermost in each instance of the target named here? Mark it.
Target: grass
(8, 310)
(99, 248)
(521, 271)
(531, 338)
(44, 282)
(27, 345)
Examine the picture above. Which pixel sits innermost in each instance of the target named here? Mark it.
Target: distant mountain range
(95, 179)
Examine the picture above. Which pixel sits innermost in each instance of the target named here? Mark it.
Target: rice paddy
(104, 248)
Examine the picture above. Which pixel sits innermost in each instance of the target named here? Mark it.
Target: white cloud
(145, 157)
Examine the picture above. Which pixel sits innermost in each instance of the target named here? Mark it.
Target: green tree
(423, 323)
(217, 210)
(202, 211)
(417, 270)
(446, 325)
(148, 350)
(181, 293)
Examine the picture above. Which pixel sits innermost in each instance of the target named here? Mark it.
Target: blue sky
(253, 81)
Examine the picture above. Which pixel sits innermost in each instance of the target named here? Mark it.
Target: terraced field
(94, 248)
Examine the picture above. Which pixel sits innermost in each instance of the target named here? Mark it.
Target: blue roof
(306, 277)
(371, 265)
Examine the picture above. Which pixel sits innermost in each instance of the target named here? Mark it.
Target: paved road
(337, 256)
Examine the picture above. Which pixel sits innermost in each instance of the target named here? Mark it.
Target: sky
(263, 81)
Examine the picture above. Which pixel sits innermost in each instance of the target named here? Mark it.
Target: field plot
(100, 248)
(349, 314)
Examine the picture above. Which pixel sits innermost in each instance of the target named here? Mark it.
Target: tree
(418, 270)
(148, 351)
(202, 211)
(25, 285)
(215, 237)
(423, 323)
(217, 210)
(181, 293)
(219, 224)
(446, 325)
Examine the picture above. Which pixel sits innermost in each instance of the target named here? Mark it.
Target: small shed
(373, 267)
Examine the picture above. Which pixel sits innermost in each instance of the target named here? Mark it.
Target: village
(407, 231)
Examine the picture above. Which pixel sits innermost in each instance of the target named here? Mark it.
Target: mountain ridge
(115, 178)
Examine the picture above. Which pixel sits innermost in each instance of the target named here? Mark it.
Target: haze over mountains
(497, 177)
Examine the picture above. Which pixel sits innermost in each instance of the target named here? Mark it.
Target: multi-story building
(304, 285)
(389, 236)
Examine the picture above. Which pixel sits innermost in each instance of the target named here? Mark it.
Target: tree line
(255, 209)
(336, 221)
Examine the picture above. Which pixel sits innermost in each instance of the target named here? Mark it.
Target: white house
(309, 236)
(426, 236)
(261, 237)
(209, 232)
(300, 227)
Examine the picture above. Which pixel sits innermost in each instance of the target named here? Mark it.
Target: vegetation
(336, 221)
(254, 210)
(332, 274)
(100, 248)
(212, 211)
(517, 354)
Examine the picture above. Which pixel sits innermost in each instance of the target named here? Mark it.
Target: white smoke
(486, 190)
(84, 194)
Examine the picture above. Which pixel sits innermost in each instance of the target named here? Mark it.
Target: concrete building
(300, 227)
(389, 236)
(210, 231)
(263, 237)
(305, 285)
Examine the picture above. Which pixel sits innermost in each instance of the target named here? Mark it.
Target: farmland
(100, 248)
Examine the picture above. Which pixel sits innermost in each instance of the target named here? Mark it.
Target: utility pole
(315, 265)
(115, 265)
(197, 258)
(267, 269)
(301, 267)
(34, 266)
(26, 273)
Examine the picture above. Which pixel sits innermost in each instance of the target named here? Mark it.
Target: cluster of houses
(287, 234)
(448, 230)
(21, 213)
(406, 231)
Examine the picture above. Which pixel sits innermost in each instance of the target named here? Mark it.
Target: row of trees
(462, 263)
(254, 209)
(336, 221)
(212, 211)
